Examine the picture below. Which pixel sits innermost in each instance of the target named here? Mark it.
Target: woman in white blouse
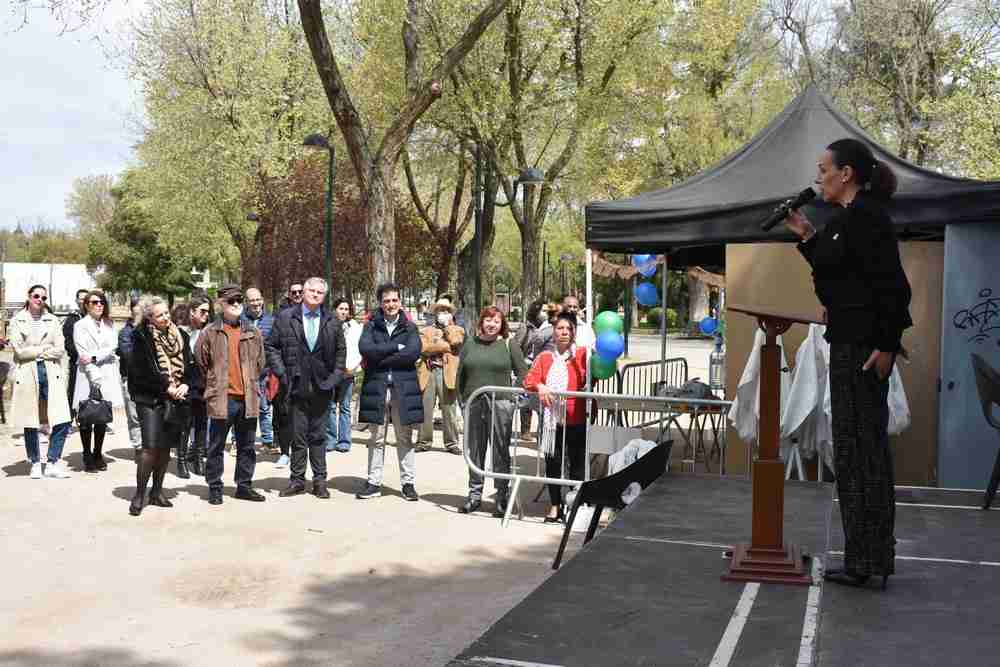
(97, 344)
(338, 429)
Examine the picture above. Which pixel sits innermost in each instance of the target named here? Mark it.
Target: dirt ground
(291, 581)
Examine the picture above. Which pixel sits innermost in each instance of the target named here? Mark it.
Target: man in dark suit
(306, 350)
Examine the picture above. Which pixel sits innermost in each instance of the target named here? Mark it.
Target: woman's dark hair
(350, 305)
(493, 311)
(533, 310)
(569, 317)
(106, 315)
(181, 315)
(870, 173)
(45, 304)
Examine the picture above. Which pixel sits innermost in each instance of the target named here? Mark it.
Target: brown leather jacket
(212, 354)
(447, 342)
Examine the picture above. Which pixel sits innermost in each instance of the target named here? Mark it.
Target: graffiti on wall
(982, 320)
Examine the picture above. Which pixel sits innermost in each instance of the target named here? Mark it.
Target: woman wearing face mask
(437, 373)
(489, 359)
(37, 340)
(160, 370)
(860, 281)
(338, 430)
(97, 346)
(562, 369)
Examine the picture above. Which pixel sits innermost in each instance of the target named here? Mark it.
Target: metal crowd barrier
(617, 404)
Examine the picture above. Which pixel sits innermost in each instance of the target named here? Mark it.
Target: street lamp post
(316, 140)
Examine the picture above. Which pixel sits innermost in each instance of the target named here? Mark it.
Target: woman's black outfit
(147, 384)
(197, 427)
(860, 280)
(576, 449)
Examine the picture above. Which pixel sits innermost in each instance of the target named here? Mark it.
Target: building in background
(61, 280)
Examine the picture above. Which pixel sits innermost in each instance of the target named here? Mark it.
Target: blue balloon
(708, 325)
(610, 345)
(645, 293)
(646, 264)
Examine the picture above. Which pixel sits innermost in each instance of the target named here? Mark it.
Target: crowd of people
(205, 376)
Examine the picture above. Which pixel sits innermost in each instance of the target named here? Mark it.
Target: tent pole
(663, 323)
(590, 321)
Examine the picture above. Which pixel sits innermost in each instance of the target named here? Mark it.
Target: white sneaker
(56, 471)
(36, 470)
(282, 461)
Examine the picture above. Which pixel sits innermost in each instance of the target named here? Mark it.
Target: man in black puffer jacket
(390, 348)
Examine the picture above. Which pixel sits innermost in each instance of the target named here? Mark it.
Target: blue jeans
(57, 438)
(264, 421)
(338, 429)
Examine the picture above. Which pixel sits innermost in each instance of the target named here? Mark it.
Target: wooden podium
(767, 558)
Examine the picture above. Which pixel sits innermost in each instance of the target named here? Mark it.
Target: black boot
(98, 457)
(143, 468)
(501, 502)
(196, 458)
(156, 493)
(182, 454)
(89, 465)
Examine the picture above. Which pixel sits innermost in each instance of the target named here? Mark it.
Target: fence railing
(668, 408)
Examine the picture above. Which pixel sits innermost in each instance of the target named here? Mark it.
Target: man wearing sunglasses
(231, 355)
(293, 298)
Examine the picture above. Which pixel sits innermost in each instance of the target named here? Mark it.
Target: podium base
(772, 566)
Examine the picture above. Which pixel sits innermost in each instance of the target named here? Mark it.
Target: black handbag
(94, 410)
(177, 412)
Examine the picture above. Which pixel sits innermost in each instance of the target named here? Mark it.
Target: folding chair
(607, 491)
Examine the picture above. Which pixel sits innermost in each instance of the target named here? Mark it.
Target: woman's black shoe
(501, 503)
(847, 578)
(470, 506)
(135, 507)
(159, 501)
(560, 517)
(89, 463)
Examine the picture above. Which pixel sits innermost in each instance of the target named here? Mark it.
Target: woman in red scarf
(562, 369)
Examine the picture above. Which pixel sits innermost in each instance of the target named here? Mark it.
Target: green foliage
(43, 244)
(130, 251)
(654, 317)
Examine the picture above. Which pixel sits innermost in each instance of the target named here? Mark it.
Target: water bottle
(717, 367)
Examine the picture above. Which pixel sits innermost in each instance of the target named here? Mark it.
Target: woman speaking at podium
(859, 279)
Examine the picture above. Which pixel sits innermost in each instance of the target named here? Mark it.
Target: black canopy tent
(692, 221)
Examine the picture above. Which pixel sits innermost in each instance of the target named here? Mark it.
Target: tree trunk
(531, 239)
(444, 265)
(380, 217)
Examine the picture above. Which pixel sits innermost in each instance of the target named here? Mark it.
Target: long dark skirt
(863, 461)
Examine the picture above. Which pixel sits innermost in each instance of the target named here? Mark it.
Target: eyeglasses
(295, 292)
(96, 302)
(235, 300)
(39, 297)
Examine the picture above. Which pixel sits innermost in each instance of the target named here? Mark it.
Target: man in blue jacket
(256, 315)
(390, 348)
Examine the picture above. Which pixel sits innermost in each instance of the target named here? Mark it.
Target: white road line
(511, 663)
(731, 637)
(953, 561)
(810, 623)
(711, 545)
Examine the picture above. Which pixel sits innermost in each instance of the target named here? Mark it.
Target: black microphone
(787, 207)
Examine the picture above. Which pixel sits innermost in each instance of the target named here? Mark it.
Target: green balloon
(602, 368)
(608, 321)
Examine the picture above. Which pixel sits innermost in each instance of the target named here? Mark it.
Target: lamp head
(531, 175)
(316, 140)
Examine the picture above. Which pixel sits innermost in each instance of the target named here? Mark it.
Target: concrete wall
(776, 275)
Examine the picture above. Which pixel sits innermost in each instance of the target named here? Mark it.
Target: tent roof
(727, 203)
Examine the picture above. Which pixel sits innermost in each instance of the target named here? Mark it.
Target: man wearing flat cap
(230, 352)
(437, 372)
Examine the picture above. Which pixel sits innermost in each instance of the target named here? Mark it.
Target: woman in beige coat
(39, 381)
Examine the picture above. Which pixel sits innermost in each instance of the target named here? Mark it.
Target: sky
(66, 111)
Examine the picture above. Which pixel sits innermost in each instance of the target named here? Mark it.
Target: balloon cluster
(609, 327)
(645, 293)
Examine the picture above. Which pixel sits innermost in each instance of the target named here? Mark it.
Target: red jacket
(576, 412)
